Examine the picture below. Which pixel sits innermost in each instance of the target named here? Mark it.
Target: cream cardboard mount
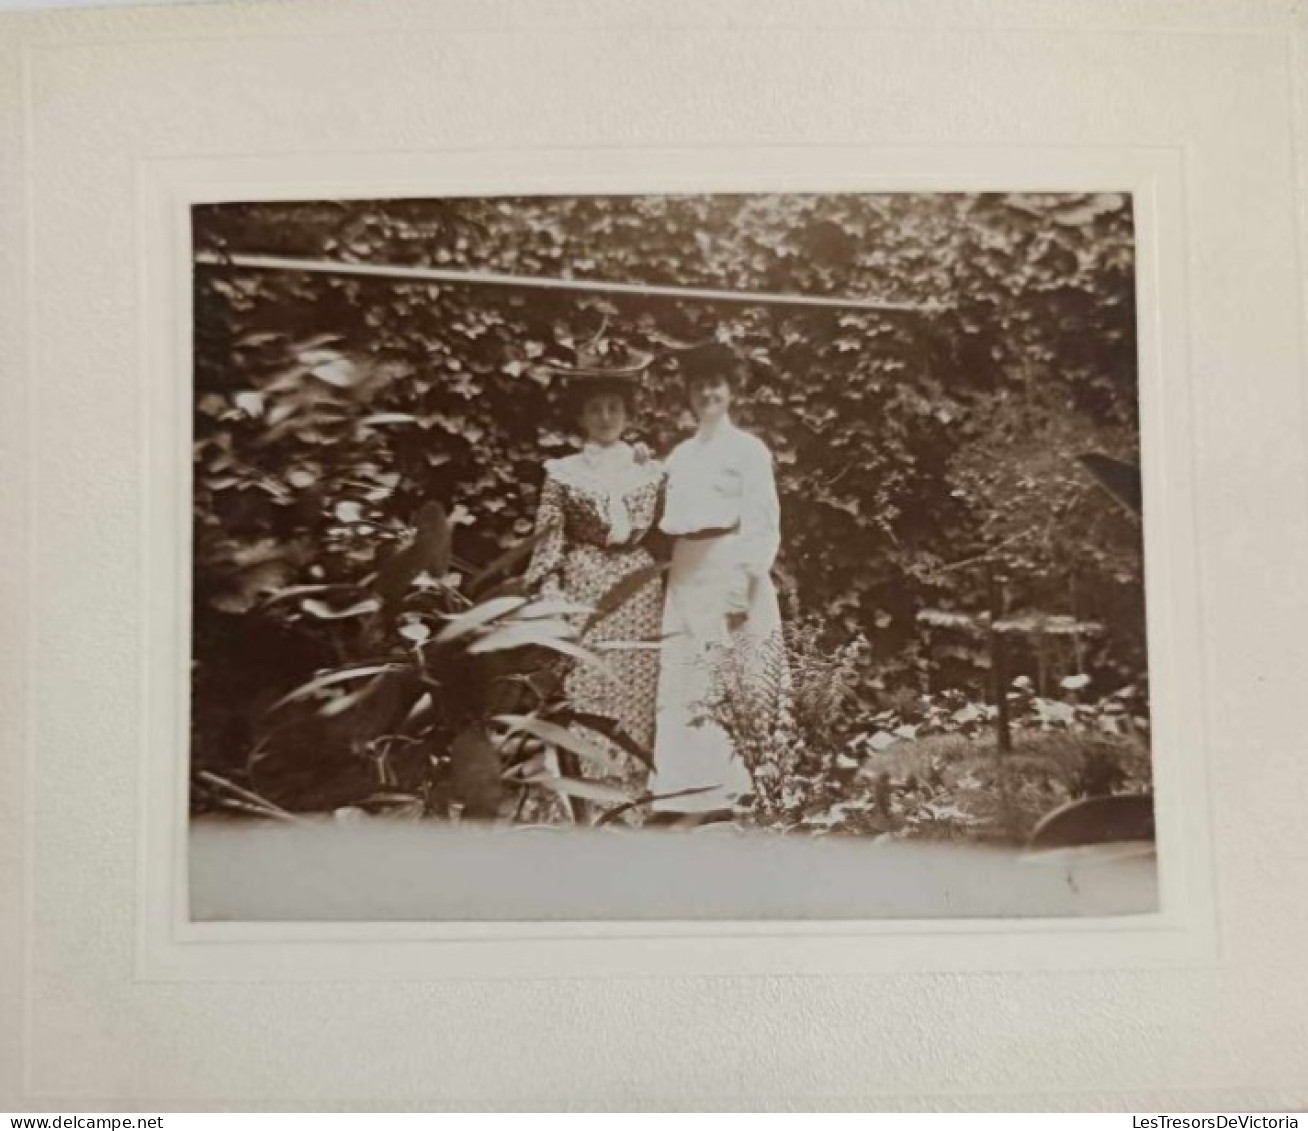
(113, 996)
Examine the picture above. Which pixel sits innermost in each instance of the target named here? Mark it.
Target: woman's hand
(640, 450)
(739, 597)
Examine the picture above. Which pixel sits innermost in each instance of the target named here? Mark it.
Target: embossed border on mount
(1182, 932)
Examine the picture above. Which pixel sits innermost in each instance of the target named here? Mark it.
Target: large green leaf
(581, 655)
(560, 736)
(343, 704)
(514, 556)
(524, 634)
(580, 788)
(466, 623)
(429, 551)
(610, 729)
(323, 611)
(549, 609)
(330, 679)
(623, 591)
(297, 591)
(649, 799)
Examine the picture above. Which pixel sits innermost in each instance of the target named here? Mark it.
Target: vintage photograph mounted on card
(717, 556)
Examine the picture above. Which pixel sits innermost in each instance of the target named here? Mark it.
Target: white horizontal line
(495, 279)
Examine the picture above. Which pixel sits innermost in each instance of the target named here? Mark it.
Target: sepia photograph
(668, 557)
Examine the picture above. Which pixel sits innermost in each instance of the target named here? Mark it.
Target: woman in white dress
(721, 510)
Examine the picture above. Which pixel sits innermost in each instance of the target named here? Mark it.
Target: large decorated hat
(602, 359)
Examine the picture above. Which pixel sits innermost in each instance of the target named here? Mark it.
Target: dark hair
(582, 389)
(714, 361)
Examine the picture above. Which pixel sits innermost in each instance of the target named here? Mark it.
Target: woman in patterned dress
(596, 509)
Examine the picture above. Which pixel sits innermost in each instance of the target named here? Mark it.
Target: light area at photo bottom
(384, 871)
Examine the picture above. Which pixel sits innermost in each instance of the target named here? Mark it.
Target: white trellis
(535, 282)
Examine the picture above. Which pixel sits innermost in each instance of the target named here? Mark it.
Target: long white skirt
(690, 751)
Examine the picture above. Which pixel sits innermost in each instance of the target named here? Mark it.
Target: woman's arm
(543, 573)
(760, 530)
(656, 541)
(760, 512)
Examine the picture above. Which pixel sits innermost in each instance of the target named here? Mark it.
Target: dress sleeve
(760, 512)
(543, 574)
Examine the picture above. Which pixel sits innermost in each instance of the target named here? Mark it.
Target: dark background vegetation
(921, 453)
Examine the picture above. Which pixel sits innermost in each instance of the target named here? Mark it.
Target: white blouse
(722, 480)
(609, 473)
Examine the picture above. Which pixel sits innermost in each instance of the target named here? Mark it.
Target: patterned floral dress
(596, 509)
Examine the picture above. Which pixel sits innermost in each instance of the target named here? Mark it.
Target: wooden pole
(595, 286)
(998, 668)
(1003, 724)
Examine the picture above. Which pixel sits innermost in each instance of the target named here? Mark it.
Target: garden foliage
(365, 448)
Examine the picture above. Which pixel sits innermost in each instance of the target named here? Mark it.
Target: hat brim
(631, 370)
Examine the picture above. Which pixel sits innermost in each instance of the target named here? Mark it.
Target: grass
(950, 786)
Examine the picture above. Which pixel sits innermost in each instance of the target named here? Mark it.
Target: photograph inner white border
(1182, 932)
